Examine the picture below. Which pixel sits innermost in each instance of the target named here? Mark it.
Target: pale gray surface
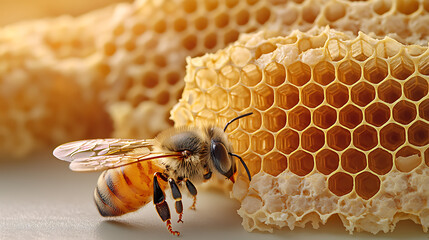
(41, 199)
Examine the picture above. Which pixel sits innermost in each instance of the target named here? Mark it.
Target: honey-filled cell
(274, 163)
(253, 162)
(312, 95)
(312, 139)
(367, 185)
(365, 137)
(380, 161)
(416, 88)
(340, 184)
(240, 97)
(389, 91)
(324, 73)
(275, 74)
(404, 112)
(418, 133)
(327, 161)
(424, 109)
(324, 116)
(240, 140)
(337, 95)
(362, 94)
(350, 116)
(401, 67)
(287, 96)
(301, 163)
(251, 75)
(274, 119)
(251, 123)
(262, 97)
(377, 114)
(287, 141)
(349, 72)
(262, 142)
(264, 49)
(375, 70)
(353, 161)
(392, 136)
(299, 118)
(299, 73)
(338, 138)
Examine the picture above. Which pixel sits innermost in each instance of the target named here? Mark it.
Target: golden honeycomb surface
(117, 71)
(340, 126)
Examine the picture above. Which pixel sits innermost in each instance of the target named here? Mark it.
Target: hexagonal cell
(380, 161)
(274, 119)
(389, 91)
(337, 95)
(301, 163)
(353, 161)
(312, 139)
(424, 63)
(365, 137)
(392, 136)
(225, 116)
(287, 141)
(240, 140)
(201, 23)
(334, 11)
(401, 67)
(312, 95)
(239, 98)
(221, 20)
(299, 118)
(324, 117)
(377, 114)
(327, 161)
(418, 133)
(262, 142)
(407, 158)
(264, 48)
(310, 13)
(338, 138)
(275, 74)
(253, 162)
(340, 184)
(416, 88)
(262, 15)
(375, 70)
(274, 163)
(362, 94)
(350, 116)
(367, 185)
(404, 112)
(251, 123)
(337, 49)
(205, 78)
(229, 76)
(361, 50)
(424, 109)
(324, 73)
(263, 97)
(251, 75)
(287, 96)
(382, 7)
(299, 73)
(407, 7)
(217, 99)
(349, 72)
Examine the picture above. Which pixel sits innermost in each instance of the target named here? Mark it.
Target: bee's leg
(160, 203)
(191, 188)
(177, 196)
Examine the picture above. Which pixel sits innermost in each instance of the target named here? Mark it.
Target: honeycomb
(340, 126)
(117, 71)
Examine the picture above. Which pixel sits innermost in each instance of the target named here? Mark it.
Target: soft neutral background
(40, 198)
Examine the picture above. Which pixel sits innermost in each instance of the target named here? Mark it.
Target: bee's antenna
(243, 163)
(241, 116)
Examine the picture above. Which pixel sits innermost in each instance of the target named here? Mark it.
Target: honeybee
(137, 170)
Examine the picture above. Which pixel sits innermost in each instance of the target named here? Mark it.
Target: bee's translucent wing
(102, 154)
(99, 147)
(99, 163)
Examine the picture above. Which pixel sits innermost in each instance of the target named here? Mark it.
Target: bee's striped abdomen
(125, 189)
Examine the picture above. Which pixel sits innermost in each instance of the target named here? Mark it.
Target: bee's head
(221, 153)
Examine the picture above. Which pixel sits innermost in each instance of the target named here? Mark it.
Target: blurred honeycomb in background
(117, 71)
(340, 125)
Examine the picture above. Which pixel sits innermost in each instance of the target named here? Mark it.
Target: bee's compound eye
(220, 157)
